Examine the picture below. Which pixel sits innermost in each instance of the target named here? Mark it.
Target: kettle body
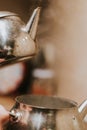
(17, 39)
(38, 112)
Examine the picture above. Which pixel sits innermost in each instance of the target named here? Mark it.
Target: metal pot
(17, 39)
(36, 112)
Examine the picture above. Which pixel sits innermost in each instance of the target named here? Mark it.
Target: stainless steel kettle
(37, 112)
(17, 39)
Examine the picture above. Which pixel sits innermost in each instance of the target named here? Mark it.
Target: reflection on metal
(37, 112)
(17, 39)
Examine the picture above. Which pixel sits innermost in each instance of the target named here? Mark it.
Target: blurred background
(60, 67)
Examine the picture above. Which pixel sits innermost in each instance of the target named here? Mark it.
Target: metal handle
(83, 109)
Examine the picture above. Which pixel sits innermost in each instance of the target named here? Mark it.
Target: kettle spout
(82, 109)
(32, 24)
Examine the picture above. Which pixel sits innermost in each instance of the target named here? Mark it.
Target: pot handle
(83, 109)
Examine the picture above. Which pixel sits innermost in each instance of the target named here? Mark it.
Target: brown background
(63, 26)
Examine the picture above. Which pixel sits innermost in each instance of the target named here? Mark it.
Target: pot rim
(45, 102)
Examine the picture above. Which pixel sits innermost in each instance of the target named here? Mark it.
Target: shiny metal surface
(15, 60)
(47, 102)
(6, 14)
(46, 113)
(17, 39)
